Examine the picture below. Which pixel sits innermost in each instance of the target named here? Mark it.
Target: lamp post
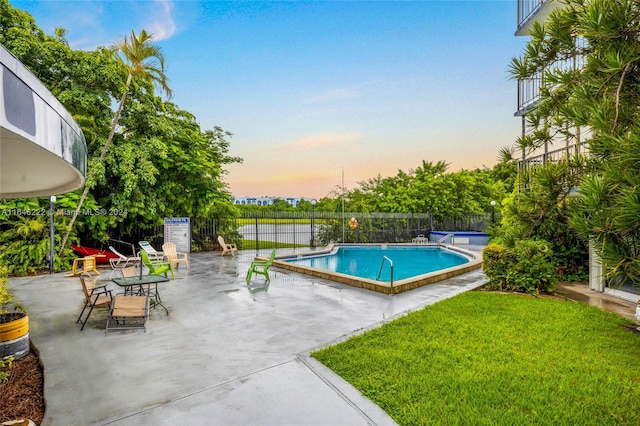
(52, 243)
(493, 217)
(313, 224)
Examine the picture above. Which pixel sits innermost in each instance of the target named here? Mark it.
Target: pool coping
(400, 286)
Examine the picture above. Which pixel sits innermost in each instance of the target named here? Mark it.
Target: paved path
(227, 354)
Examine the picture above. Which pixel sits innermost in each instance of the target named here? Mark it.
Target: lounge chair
(94, 295)
(156, 267)
(128, 312)
(122, 261)
(227, 248)
(154, 255)
(261, 267)
(174, 257)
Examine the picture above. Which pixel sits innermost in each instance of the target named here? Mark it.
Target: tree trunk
(103, 153)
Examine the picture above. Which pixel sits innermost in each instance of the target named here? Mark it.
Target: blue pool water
(364, 262)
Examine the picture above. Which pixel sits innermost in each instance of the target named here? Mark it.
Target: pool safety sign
(178, 231)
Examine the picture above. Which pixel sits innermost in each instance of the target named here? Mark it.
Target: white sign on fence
(178, 231)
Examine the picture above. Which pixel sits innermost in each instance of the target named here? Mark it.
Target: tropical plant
(428, 188)
(5, 295)
(527, 267)
(542, 211)
(143, 60)
(5, 364)
(24, 237)
(599, 93)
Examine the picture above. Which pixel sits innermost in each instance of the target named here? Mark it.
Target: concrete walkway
(227, 353)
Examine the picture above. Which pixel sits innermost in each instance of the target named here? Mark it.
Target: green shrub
(527, 267)
(24, 238)
(5, 364)
(5, 296)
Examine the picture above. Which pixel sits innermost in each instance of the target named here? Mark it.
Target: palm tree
(144, 61)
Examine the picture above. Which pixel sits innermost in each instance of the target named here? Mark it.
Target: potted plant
(14, 326)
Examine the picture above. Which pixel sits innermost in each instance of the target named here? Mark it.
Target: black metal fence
(262, 230)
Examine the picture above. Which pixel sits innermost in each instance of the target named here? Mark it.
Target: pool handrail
(452, 236)
(390, 269)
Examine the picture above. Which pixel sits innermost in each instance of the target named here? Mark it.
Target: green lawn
(264, 245)
(489, 358)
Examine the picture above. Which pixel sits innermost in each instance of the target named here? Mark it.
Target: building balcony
(530, 11)
(528, 94)
(562, 154)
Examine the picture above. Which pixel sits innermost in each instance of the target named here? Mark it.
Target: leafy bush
(24, 237)
(5, 296)
(527, 267)
(5, 364)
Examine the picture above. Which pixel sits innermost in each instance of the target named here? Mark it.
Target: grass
(489, 358)
(264, 245)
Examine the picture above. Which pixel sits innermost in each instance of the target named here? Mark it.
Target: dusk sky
(312, 89)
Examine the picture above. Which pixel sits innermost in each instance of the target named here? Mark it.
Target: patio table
(128, 283)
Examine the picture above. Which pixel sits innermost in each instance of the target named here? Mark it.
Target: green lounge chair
(157, 267)
(261, 267)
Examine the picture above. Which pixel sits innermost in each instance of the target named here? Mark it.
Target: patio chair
(156, 267)
(227, 248)
(122, 261)
(128, 312)
(89, 265)
(174, 257)
(154, 255)
(261, 267)
(94, 295)
(129, 271)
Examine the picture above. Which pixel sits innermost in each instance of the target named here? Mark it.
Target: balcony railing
(529, 89)
(555, 156)
(528, 93)
(528, 8)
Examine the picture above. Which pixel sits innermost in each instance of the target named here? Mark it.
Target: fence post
(257, 236)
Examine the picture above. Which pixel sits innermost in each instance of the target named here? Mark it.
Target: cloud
(161, 23)
(333, 95)
(320, 141)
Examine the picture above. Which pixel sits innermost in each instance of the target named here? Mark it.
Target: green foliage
(280, 205)
(160, 162)
(542, 211)
(599, 94)
(5, 295)
(527, 267)
(427, 189)
(24, 236)
(5, 364)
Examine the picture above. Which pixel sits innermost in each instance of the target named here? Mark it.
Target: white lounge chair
(122, 261)
(154, 255)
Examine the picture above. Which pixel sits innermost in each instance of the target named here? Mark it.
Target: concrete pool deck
(227, 353)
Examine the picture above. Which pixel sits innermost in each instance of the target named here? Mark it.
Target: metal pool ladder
(443, 239)
(390, 266)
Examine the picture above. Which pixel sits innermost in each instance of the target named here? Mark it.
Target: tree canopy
(161, 162)
(428, 188)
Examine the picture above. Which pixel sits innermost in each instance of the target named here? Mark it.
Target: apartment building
(561, 145)
(267, 201)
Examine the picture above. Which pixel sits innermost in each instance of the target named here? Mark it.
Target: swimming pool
(368, 265)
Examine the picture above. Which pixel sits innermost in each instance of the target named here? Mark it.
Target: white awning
(42, 149)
